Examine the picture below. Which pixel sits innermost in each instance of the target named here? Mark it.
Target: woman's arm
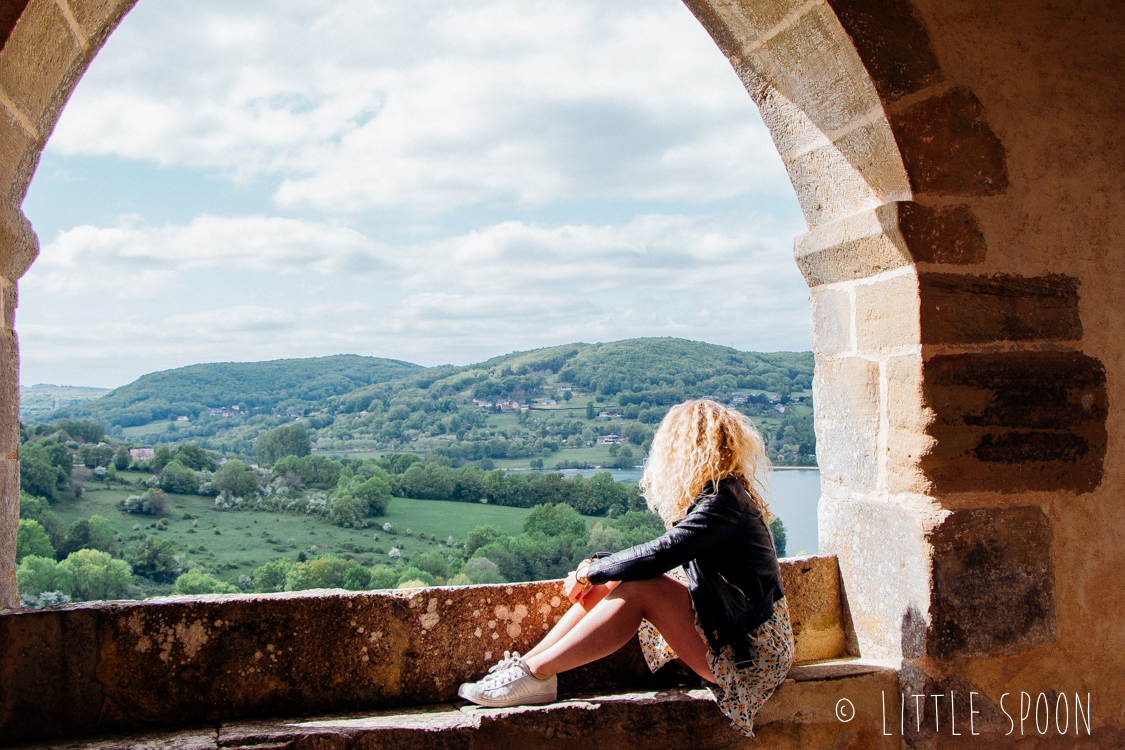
(711, 521)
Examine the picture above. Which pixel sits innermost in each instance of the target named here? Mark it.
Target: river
(794, 494)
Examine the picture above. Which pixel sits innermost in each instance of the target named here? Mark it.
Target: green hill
(43, 398)
(252, 386)
(567, 399)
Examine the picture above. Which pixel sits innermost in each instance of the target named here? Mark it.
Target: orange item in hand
(587, 597)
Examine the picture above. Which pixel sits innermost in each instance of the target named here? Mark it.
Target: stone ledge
(179, 661)
(803, 708)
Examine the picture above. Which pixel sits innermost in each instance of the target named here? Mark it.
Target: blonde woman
(723, 614)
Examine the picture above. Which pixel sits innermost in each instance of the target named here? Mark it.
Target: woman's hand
(581, 574)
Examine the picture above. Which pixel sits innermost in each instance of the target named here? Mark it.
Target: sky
(435, 182)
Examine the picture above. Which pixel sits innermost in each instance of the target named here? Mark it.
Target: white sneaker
(510, 683)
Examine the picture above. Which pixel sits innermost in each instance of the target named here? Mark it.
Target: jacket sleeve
(710, 522)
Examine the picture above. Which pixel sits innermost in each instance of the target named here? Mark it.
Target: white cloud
(353, 105)
(290, 288)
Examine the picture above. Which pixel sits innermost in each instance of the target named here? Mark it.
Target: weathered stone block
(947, 235)
(812, 591)
(958, 309)
(741, 22)
(812, 62)
(871, 149)
(9, 394)
(831, 312)
(9, 13)
(994, 583)
(854, 247)
(846, 394)
(828, 187)
(893, 44)
(1015, 422)
(19, 246)
(948, 147)
(908, 420)
(14, 144)
(40, 57)
(883, 559)
(886, 314)
(93, 16)
(9, 515)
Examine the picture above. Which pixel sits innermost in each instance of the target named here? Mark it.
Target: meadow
(232, 543)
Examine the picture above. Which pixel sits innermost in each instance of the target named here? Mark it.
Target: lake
(794, 494)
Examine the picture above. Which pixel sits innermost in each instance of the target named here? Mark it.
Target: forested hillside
(577, 405)
(243, 386)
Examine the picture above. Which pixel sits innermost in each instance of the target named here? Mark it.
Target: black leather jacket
(727, 552)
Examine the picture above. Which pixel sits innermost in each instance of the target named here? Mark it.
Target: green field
(232, 543)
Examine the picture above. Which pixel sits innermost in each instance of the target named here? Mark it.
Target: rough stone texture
(884, 562)
(892, 42)
(943, 235)
(886, 313)
(846, 399)
(960, 309)
(812, 588)
(831, 313)
(38, 59)
(907, 427)
(994, 583)
(182, 660)
(800, 712)
(847, 249)
(1018, 421)
(844, 192)
(948, 147)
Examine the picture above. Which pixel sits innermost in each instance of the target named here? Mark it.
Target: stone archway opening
(964, 322)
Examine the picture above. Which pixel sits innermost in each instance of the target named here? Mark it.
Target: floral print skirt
(740, 692)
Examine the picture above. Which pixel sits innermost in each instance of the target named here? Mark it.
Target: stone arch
(956, 166)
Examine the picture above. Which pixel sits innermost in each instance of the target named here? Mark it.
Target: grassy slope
(247, 540)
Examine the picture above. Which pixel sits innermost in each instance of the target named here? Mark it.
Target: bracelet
(583, 578)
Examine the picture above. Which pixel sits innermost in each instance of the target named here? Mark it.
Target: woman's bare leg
(565, 624)
(663, 601)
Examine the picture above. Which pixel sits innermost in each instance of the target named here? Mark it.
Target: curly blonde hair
(699, 442)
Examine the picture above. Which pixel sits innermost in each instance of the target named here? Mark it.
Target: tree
(36, 575)
(194, 457)
(482, 570)
(383, 577)
(121, 458)
(554, 520)
(36, 509)
(291, 440)
(482, 535)
(270, 578)
(37, 474)
(590, 410)
(198, 582)
(235, 478)
(94, 532)
(777, 530)
(178, 478)
(94, 576)
(567, 396)
(433, 563)
(32, 539)
(373, 496)
(156, 559)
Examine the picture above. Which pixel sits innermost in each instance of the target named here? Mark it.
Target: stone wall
(961, 185)
(181, 661)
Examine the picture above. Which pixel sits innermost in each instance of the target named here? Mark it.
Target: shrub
(93, 576)
(32, 539)
(383, 577)
(482, 570)
(198, 582)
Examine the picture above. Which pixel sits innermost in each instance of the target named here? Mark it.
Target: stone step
(802, 713)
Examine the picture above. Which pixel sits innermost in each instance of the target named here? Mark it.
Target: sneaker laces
(498, 673)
